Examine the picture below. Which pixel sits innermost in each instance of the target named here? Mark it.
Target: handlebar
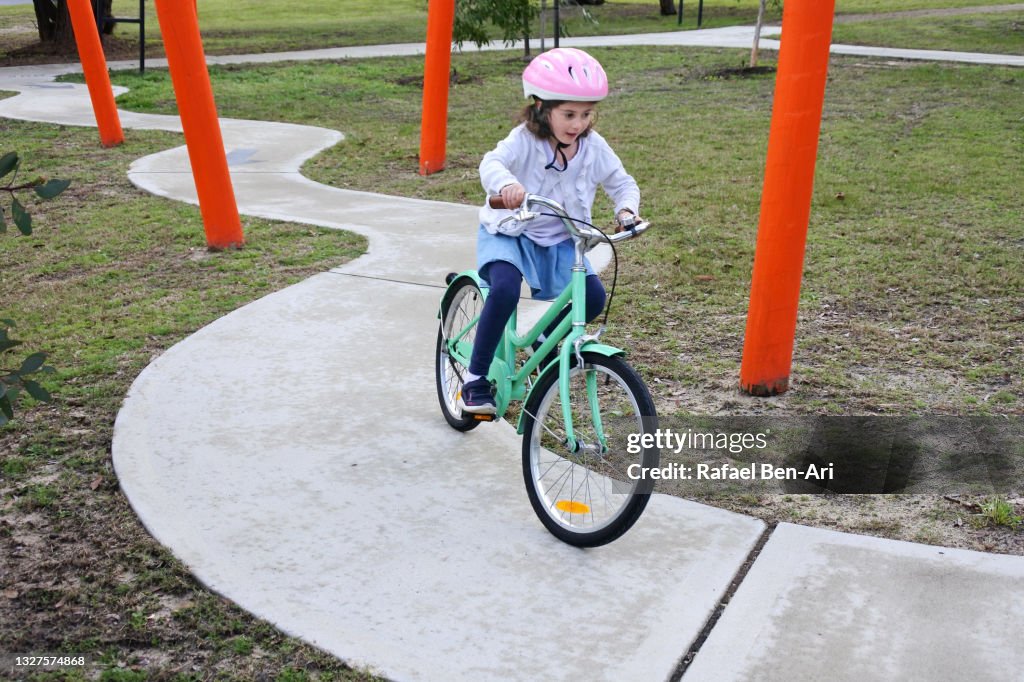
(587, 234)
(496, 201)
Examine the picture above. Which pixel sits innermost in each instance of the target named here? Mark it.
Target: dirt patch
(738, 72)
(34, 52)
(935, 519)
(454, 78)
(927, 519)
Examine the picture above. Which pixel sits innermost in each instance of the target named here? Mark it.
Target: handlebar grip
(496, 201)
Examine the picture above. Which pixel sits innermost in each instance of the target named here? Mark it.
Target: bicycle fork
(573, 344)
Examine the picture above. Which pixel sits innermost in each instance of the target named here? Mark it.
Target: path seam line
(380, 278)
(712, 621)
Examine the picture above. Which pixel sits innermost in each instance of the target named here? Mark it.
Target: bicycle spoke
(584, 490)
(554, 498)
(561, 439)
(455, 340)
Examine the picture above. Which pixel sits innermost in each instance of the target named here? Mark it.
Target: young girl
(554, 152)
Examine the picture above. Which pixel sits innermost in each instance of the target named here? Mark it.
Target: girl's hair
(536, 117)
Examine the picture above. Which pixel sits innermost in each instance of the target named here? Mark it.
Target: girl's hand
(625, 220)
(513, 194)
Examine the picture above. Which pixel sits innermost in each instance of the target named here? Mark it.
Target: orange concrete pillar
(436, 66)
(94, 66)
(194, 95)
(786, 198)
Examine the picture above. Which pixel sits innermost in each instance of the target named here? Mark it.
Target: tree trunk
(46, 17)
(54, 21)
(526, 38)
(668, 8)
(63, 32)
(757, 33)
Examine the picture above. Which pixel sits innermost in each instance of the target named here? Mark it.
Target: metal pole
(700, 13)
(558, 22)
(543, 26)
(680, 23)
(142, 36)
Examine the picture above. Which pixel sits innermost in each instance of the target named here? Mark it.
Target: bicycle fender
(601, 349)
(589, 347)
(456, 281)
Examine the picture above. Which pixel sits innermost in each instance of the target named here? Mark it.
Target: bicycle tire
(587, 498)
(459, 307)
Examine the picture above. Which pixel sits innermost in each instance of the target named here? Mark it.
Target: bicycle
(587, 444)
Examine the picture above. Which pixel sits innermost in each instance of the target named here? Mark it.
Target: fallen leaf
(96, 482)
(705, 278)
(11, 594)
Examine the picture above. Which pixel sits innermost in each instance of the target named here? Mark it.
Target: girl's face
(569, 119)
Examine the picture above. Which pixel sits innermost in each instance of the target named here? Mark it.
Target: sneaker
(476, 397)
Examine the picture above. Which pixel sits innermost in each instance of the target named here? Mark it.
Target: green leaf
(6, 341)
(32, 363)
(36, 391)
(6, 410)
(8, 162)
(21, 218)
(52, 188)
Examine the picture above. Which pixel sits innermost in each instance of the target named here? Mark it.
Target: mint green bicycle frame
(514, 384)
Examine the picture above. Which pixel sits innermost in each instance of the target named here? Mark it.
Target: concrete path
(293, 456)
(821, 605)
(740, 37)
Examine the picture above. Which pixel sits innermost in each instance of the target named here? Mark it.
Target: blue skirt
(547, 269)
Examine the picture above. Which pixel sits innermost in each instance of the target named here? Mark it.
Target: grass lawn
(911, 301)
(1001, 32)
(238, 26)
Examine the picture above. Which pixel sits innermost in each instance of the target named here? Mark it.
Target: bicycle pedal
(483, 417)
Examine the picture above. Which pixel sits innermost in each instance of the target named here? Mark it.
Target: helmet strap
(559, 147)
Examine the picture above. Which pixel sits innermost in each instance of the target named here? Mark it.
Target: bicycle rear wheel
(591, 491)
(460, 312)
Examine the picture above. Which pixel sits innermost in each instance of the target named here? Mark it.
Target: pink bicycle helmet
(565, 73)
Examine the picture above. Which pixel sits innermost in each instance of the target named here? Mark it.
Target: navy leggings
(506, 280)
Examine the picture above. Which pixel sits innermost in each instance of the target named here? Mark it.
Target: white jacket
(521, 158)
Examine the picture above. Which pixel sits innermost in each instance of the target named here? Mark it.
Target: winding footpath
(292, 455)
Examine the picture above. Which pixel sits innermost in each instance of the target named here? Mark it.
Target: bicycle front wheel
(460, 312)
(590, 491)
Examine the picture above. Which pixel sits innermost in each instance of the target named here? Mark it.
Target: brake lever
(635, 231)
